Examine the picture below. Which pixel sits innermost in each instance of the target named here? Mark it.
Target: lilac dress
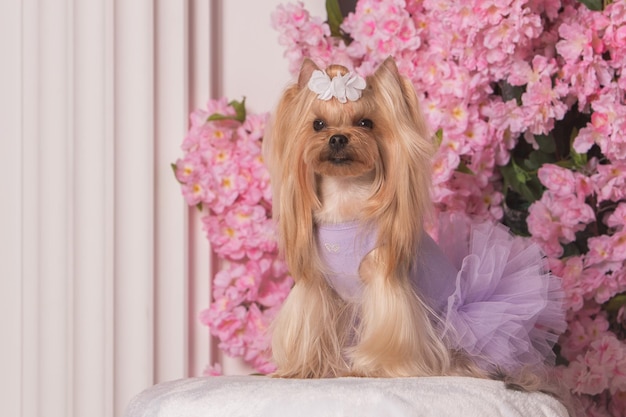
(491, 289)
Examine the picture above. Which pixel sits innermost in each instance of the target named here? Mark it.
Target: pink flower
(600, 249)
(555, 219)
(571, 271)
(584, 186)
(506, 115)
(559, 181)
(226, 240)
(576, 341)
(197, 189)
(189, 167)
(613, 282)
(273, 292)
(213, 370)
(573, 215)
(618, 380)
(605, 352)
(541, 223)
(610, 182)
(576, 42)
(576, 377)
(444, 165)
(618, 402)
(618, 242)
(228, 189)
(586, 138)
(617, 219)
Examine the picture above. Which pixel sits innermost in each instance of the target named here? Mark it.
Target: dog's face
(342, 139)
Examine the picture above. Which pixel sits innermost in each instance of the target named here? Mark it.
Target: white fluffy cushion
(249, 396)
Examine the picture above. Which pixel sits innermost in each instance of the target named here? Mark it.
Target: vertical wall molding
(201, 76)
(171, 63)
(95, 296)
(11, 269)
(89, 172)
(103, 268)
(134, 258)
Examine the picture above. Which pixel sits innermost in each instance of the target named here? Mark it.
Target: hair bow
(342, 87)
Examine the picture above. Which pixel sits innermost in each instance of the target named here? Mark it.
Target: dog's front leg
(395, 336)
(309, 333)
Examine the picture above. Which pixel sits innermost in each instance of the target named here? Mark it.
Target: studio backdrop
(103, 267)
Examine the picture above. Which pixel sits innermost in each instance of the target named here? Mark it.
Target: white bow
(342, 87)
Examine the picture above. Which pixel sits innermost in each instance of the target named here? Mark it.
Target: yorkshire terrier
(349, 159)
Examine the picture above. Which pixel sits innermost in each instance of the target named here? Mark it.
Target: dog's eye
(318, 125)
(366, 123)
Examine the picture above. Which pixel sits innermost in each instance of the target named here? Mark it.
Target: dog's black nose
(337, 142)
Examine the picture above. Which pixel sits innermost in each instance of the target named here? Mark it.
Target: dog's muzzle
(338, 152)
(337, 142)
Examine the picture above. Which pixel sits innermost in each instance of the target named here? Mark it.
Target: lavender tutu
(506, 309)
(492, 290)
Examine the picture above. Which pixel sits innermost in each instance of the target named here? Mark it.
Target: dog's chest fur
(342, 198)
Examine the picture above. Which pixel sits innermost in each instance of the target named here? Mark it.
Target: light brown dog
(335, 160)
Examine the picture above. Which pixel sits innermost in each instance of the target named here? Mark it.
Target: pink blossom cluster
(577, 203)
(597, 363)
(501, 82)
(302, 35)
(246, 297)
(562, 210)
(223, 174)
(592, 47)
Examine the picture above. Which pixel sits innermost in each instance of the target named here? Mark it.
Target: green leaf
(579, 160)
(240, 112)
(536, 159)
(510, 179)
(521, 175)
(217, 117)
(523, 182)
(593, 4)
(572, 136)
(566, 163)
(615, 303)
(515, 211)
(464, 169)
(439, 137)
(546, 143)
(571, 249)
(240, 109)
(335, 18)
(173, 166)
(510, 92)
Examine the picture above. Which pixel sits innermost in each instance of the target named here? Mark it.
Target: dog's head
(333, 123)
(341, 139)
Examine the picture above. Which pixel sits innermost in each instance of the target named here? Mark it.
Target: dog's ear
(388, 69)
(307, 68)
(389, 77)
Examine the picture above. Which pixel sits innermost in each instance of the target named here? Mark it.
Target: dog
(349, 161)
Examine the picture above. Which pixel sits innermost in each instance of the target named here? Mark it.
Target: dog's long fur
(385, 185)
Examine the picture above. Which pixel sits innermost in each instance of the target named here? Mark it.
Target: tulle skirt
(506, 310)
